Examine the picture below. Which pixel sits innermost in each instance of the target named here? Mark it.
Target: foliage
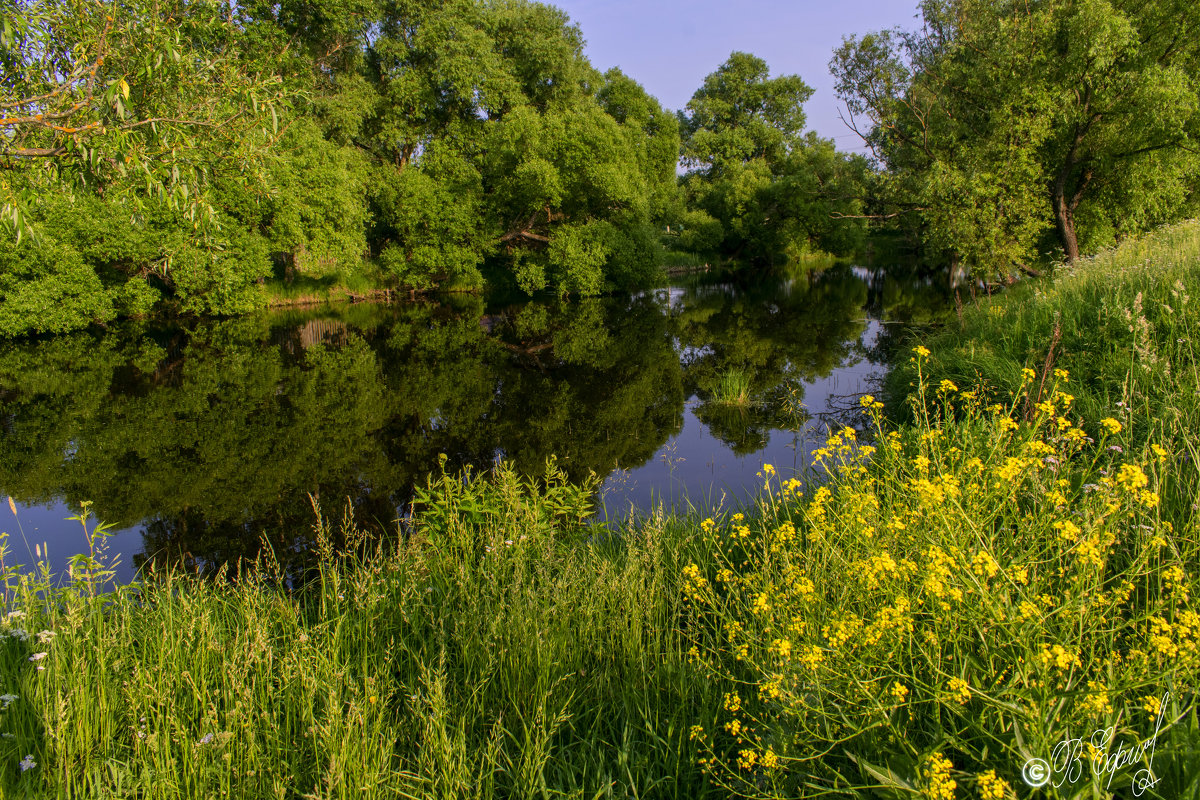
(48, 290)
(1004, 124)
(758, 188)
(134, 98)
(317, 212)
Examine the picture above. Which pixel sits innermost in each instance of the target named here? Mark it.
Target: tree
(131, 95)
(758, 187)
(741, 114)
(498, 143)
(999, 122)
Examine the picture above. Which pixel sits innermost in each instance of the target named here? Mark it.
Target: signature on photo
(1066, 761)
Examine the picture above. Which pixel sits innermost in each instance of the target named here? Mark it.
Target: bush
(45, 287)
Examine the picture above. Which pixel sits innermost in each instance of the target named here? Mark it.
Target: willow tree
(499, 146)
(1003, 124)
(150, 96)
(115, 120)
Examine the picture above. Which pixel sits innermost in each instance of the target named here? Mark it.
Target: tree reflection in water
(213, 436)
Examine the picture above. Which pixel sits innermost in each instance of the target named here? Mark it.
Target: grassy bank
(946, 609)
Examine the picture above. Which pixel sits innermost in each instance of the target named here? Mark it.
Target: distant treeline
(190, 155)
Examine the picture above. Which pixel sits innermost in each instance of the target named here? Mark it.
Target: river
(196, 441)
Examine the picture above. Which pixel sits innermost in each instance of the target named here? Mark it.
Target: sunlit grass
(501, 648)
(732, 388)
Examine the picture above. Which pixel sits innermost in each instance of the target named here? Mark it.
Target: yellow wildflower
(1132, 477)
(1096, 701)
(940, 786)
(783, 647)
(1111, 425)
(812, 657)
(898, 691)
(1057, 656)
(992, 787)
(984, 565)
(1067, 531)
(960, 691)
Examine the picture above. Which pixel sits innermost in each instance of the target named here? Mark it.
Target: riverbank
(937, 610)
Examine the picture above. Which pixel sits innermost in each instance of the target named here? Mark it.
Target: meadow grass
(996, 591)
(502, 648)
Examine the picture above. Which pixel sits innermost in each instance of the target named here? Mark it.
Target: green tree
(117, 122)
(1002, 122)
(131, 95)
(497, 143)
(759, 188)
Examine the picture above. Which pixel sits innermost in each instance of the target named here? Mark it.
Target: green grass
(306, 289)
(679, 259)
(1126, 322)
(732, 388)
(1014, 566)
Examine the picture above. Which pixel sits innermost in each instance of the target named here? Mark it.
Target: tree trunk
(1064, 216)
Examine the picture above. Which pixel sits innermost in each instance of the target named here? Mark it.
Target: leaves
(1003, 124)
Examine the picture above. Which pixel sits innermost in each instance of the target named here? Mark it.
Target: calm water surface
(196, 442)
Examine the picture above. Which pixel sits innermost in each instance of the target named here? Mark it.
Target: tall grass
(502, 649)
(942, 613)
(732, 388)
(1123, 323)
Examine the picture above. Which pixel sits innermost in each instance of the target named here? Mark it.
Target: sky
(668, 46)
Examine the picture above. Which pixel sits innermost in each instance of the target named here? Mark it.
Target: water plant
(732, 388)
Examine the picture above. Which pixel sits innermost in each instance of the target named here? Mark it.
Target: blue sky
(668, 46)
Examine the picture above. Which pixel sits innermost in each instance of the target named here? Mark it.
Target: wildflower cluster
(985, 563)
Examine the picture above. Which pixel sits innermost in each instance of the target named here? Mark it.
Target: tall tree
(759, 188)
(506, 147)
(1003, 120)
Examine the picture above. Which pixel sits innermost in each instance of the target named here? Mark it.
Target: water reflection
(206, 439)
